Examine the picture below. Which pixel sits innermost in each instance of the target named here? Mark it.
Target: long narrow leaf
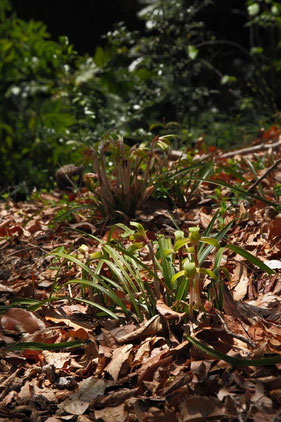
(234, 361)
(176, 276)
(95, 305)
(75, 261)
(205, 252)
(180, 243)
(106, 290)
(127, 231)
(218, 259)
(166, 264)
(184, 171)
(45, 346)
(253, 259)
(239, 190)
(230, 170)
(209, 229)
(210, 241)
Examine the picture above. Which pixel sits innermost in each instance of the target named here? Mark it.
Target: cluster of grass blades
(209, 172)
(125, 176)
(118, 284)
(183, 179)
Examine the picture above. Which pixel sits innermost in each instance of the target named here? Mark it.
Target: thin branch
(254, 185)
(252, 149)
(232, 334)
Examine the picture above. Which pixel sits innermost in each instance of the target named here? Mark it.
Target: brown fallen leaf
(201, 409)
(5, 289)
(142, 353)
(80, 334)
(119, 357)
(275, 228)
(88, 390)
(148, 368)
(57, 359)
(267, 416)
(70, 320)
(112, 414)
(230, 307)
(178, 381)
(115, 398)
(150, 328)
(167, 312)
(241, 275)
(205, 219)
(17, 320)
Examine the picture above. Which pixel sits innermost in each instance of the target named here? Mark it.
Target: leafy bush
(263, 72)
(34, 112)
(162, 67)
(176, 77)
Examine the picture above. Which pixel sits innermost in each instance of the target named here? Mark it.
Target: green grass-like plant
(125, 176)
(120, 284)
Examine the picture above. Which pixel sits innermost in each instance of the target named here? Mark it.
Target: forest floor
(120, 370)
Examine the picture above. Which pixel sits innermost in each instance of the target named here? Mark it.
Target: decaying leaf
(119, 357)
(240, 274)
(150, 328)
(19, 320)
(148, 368)
(88, 389)
(167, 312)
(57, 359)
(201, 409)
(112, 414)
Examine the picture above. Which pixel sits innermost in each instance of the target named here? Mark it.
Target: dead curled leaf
(275, 228)
(200, 409)
(150, 328)
(167, 312)
(119, 357)
(148, 368)
(114, 398)
(19, 320)
(88, 390)
(142, 353)
(112, 414)
(241, 275)
(56, 359)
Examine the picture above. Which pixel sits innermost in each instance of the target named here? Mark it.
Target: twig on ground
(249, 150)
(254, 185)
(232, 334)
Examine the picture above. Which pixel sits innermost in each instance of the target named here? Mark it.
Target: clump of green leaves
(125, 176)
(34, 112)
(193, 274)
(174, 271)
(264, 24)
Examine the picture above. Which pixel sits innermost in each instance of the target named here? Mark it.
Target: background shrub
(176, 76)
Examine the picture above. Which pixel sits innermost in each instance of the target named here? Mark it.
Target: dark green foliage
(34, 112)
(265, 49)
(176, 77)
(180, 78)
